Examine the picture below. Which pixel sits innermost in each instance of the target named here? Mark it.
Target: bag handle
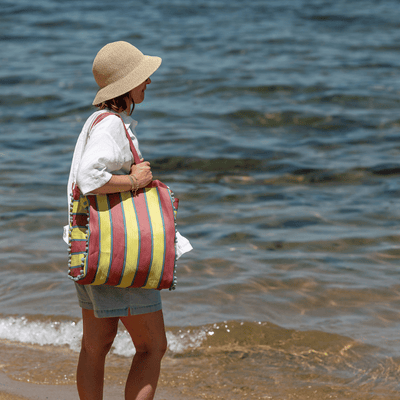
(75, 189)
(131, 145)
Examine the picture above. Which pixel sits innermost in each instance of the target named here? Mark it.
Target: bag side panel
(77, 238)
(170, 233)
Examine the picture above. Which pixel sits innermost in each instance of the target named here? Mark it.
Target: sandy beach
(16, 390)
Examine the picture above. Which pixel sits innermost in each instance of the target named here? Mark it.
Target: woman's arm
(123, 183)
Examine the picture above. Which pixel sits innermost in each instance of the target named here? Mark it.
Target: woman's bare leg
(148, 335)
(98, 336)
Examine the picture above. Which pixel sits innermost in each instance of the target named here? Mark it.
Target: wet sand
(16, 390)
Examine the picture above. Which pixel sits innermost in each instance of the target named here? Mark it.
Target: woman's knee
(148, 333)
(98, 333)
(154, 349)
(98, 346)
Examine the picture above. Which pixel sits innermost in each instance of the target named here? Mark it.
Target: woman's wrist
(134, 183)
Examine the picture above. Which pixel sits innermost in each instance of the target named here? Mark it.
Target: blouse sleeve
(105, 152)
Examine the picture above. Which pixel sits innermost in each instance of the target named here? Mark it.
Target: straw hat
(120, 67)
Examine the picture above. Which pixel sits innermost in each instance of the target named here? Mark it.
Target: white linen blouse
(104, 151)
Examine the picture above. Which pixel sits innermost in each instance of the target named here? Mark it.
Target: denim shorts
(110, 301)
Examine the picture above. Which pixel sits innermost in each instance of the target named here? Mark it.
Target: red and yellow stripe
(142, 255)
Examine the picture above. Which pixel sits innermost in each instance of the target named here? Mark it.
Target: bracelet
(136, 179)
(132, 183)
(135, 185)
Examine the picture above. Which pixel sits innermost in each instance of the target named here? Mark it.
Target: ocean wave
(325, 122)
(45, 331)
(246, 335)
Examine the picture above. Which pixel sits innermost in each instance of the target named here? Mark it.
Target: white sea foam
(177, 342)
(59, 333)
(184, 340)
(19, 329)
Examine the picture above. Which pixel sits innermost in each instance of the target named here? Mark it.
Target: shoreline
(17, 390)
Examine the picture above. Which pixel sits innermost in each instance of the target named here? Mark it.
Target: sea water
(276, 123)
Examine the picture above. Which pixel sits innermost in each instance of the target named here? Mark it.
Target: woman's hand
(122, 183)
(142, 172)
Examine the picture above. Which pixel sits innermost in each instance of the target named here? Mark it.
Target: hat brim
(147, 67)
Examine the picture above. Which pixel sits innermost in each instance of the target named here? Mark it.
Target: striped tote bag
(123, 239)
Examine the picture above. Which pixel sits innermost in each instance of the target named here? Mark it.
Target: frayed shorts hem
(122, 312)
(110, 301)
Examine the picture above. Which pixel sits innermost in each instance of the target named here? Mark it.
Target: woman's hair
(119, 104)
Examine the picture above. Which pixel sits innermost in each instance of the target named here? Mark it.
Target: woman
(103, 163)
